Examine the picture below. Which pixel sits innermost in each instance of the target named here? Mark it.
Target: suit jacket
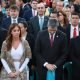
(3, 34)
(53, 55)
(7, 22)
(68, 32)
(34, 27)
(28, 14)
(75, 57)
(23, 9)
(75, 50)
(68, 29)
(30, 40)
(1, 18)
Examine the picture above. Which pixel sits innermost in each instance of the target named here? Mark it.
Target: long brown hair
(65, 17)
(9, 35)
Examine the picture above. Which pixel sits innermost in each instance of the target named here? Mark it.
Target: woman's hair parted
(9, 35)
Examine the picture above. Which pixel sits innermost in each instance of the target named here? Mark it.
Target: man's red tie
(51, 39)
(74, 33)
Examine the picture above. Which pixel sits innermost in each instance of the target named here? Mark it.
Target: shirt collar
(74, 27)
(14, 19)
(41, 16)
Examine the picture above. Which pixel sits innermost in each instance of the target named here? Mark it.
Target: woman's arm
(24, 64)
(5, 65)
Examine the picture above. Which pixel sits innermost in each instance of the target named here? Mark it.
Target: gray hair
(53, 23)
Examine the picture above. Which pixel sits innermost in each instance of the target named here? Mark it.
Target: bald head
(40, 9)
(59, 6)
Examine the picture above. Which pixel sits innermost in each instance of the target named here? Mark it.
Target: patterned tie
(74, 33)
(51, 39)
(14, 21)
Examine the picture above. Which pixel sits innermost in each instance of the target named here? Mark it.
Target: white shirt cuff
(45, 64)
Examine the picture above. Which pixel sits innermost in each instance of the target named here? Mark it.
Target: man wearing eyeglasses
(38, 22)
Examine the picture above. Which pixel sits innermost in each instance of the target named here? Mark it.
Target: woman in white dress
(15, 55)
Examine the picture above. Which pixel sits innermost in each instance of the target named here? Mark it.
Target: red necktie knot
(74, 33)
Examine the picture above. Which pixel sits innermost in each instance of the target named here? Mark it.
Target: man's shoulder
(33, 18)
(46, 17)
(7, 19)
(42, 33)
(61, 33)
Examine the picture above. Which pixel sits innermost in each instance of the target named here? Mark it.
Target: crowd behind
(23, 38)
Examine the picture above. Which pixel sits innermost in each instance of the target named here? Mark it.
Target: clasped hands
(14, 74)
(51, 66)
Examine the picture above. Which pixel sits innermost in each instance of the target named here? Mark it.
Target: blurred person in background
(14, 17)
(54, 15)
(29, 37)
(67, 11)
(32, 12)
(7, 11)
(72, 8)
(77, 6)
(63, 21)
(3, 4)
(59, 6)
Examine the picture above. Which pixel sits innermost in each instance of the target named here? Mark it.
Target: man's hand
(54, 66)
(49, 66)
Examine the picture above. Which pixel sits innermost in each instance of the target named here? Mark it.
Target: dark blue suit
(7, 22)
(28, 14)
(25, 8)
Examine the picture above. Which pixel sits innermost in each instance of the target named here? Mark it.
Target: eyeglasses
(40, 7)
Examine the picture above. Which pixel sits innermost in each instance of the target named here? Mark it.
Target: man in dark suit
(24, 5)
(14, 13)
(73, 26)
(72, 29)
(38, 22)
(32, 12)
(50, 50)
(1, 16)
(75, 57)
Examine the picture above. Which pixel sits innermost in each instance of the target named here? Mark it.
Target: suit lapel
(45, 21)
(48, 38)
(9, 21)
(55, 39)
(37, 22)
